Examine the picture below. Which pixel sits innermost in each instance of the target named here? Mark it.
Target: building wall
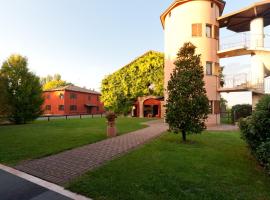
(52, 99)
(80, 101)
(178, 30)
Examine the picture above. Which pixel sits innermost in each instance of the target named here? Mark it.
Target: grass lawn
(42, 138)
(216, 165)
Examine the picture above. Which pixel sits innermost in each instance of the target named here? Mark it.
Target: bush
(240, 111)
(256, 131)
(263, 155)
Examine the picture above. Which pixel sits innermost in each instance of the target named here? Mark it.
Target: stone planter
(111, 129)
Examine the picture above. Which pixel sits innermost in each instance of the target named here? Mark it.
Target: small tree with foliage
(22, 89)
(187, 103)
(51, 82)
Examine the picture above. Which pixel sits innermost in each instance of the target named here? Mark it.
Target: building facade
(148, 106)
(72, 100)
(195, 21)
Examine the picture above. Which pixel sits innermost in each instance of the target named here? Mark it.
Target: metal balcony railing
(243, 40)
(267, 85)
(243, 81)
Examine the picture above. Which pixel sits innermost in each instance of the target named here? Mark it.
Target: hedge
(240, 111)
(256, 131)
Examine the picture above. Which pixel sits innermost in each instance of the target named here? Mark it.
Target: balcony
(243, 82)
(243, 44)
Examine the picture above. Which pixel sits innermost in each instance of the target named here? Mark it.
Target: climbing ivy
(144, 76)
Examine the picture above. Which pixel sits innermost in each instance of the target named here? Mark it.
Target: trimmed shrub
(256, 131)
(263, 155)
(240, 111)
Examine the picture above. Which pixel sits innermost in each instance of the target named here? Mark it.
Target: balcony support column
(257, 33)
(257, 73)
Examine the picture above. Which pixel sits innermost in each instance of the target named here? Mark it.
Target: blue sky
(84, 40)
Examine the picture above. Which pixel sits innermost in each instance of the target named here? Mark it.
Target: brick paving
(65, 166)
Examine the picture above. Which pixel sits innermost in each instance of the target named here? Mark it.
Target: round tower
(195, 21)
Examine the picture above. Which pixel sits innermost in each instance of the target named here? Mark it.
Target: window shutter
(217, 69)
(216, 32)
(196, 30)
(217, 107)
(199, 26)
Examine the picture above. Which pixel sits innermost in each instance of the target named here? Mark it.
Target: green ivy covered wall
(121, 89)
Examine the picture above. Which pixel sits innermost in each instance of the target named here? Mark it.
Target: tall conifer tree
(187, 105)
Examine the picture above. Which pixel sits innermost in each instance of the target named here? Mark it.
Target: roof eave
(224, 17)
(177, 2)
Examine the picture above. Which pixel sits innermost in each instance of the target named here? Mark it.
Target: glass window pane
(209, 68)
(208, 31)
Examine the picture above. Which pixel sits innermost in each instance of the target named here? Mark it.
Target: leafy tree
(23, 90)
(4, 107)
(121, 89)
(187, 105)
(52, 82)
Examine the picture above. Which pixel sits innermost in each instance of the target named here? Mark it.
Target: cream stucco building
(199, 22)
(195, 21)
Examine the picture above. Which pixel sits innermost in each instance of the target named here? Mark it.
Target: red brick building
(72, 100)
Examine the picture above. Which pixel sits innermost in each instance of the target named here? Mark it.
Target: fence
(226, 117)
(243, 81)
(80, 116)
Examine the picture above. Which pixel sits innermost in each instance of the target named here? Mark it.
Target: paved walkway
(63, 167)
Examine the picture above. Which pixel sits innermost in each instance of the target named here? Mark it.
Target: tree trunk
(184, 136)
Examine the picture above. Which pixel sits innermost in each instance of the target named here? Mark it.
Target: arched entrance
(152, 108)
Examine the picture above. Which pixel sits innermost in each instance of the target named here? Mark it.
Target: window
(61, 96)
(48, 96)
(48, 107)
(97, 109)
(61, 107)
(210, 107)
(208, 30)
(73, 96)
(216, 32)
(97, 98)
(209, 68)
(73, 108)
(196, 30)
(89, 98)
(212, 4)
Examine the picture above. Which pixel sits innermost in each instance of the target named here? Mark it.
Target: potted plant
(111, 129)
